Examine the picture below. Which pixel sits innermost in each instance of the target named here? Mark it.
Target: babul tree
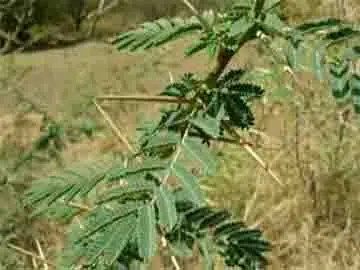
(152, 200)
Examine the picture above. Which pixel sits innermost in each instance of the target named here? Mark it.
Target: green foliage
(334, 55)
(156, 194)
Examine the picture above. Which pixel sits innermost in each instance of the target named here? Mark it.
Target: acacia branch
(144, 98)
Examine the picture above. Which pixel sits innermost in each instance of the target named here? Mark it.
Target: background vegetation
(313, 221)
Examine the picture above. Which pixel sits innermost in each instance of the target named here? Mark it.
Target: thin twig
(80, 206)
(197, 14)
(112, 5)
(176, 156)
(28, 253)
(114, 127)
(175, 263)
(297, 143)
(35, 265)
(252, 152)
(42, 255)
(144, 98)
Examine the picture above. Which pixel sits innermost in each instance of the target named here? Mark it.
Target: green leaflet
(212, 49)
(179, 248)
(240, 27)
(227, 228)
(84, 182)
(274, 24)
(339, 70)
(190, 184)
(208, 125)
(146, 231)
(198, 214)
(214, 219)
(340, 85)
(124, 233)
(206, 250)
(258, 8)
(146, 166)
(318, 25)
(42, 190)
(61, 212)
(246, 4)
(162, 139)
(318, 62)
(115, 241)
(239, 113)
(195, 151)
(342, 34)
(292, 55)
(73, 182)
(271, 4)
(355, 92)
(132, 187)
(356, 104)
(245, 235)
(196, 47)
(121, 212)
(254, 246)
(166, 205)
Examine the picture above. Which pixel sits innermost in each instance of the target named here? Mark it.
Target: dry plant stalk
(29, 253)
(42, 255)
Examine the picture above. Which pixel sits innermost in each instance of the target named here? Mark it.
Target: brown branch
(223, 59)
(114, 128)
(103, 10)
(144, 98)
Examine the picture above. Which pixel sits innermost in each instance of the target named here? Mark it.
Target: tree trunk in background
(77, 9)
